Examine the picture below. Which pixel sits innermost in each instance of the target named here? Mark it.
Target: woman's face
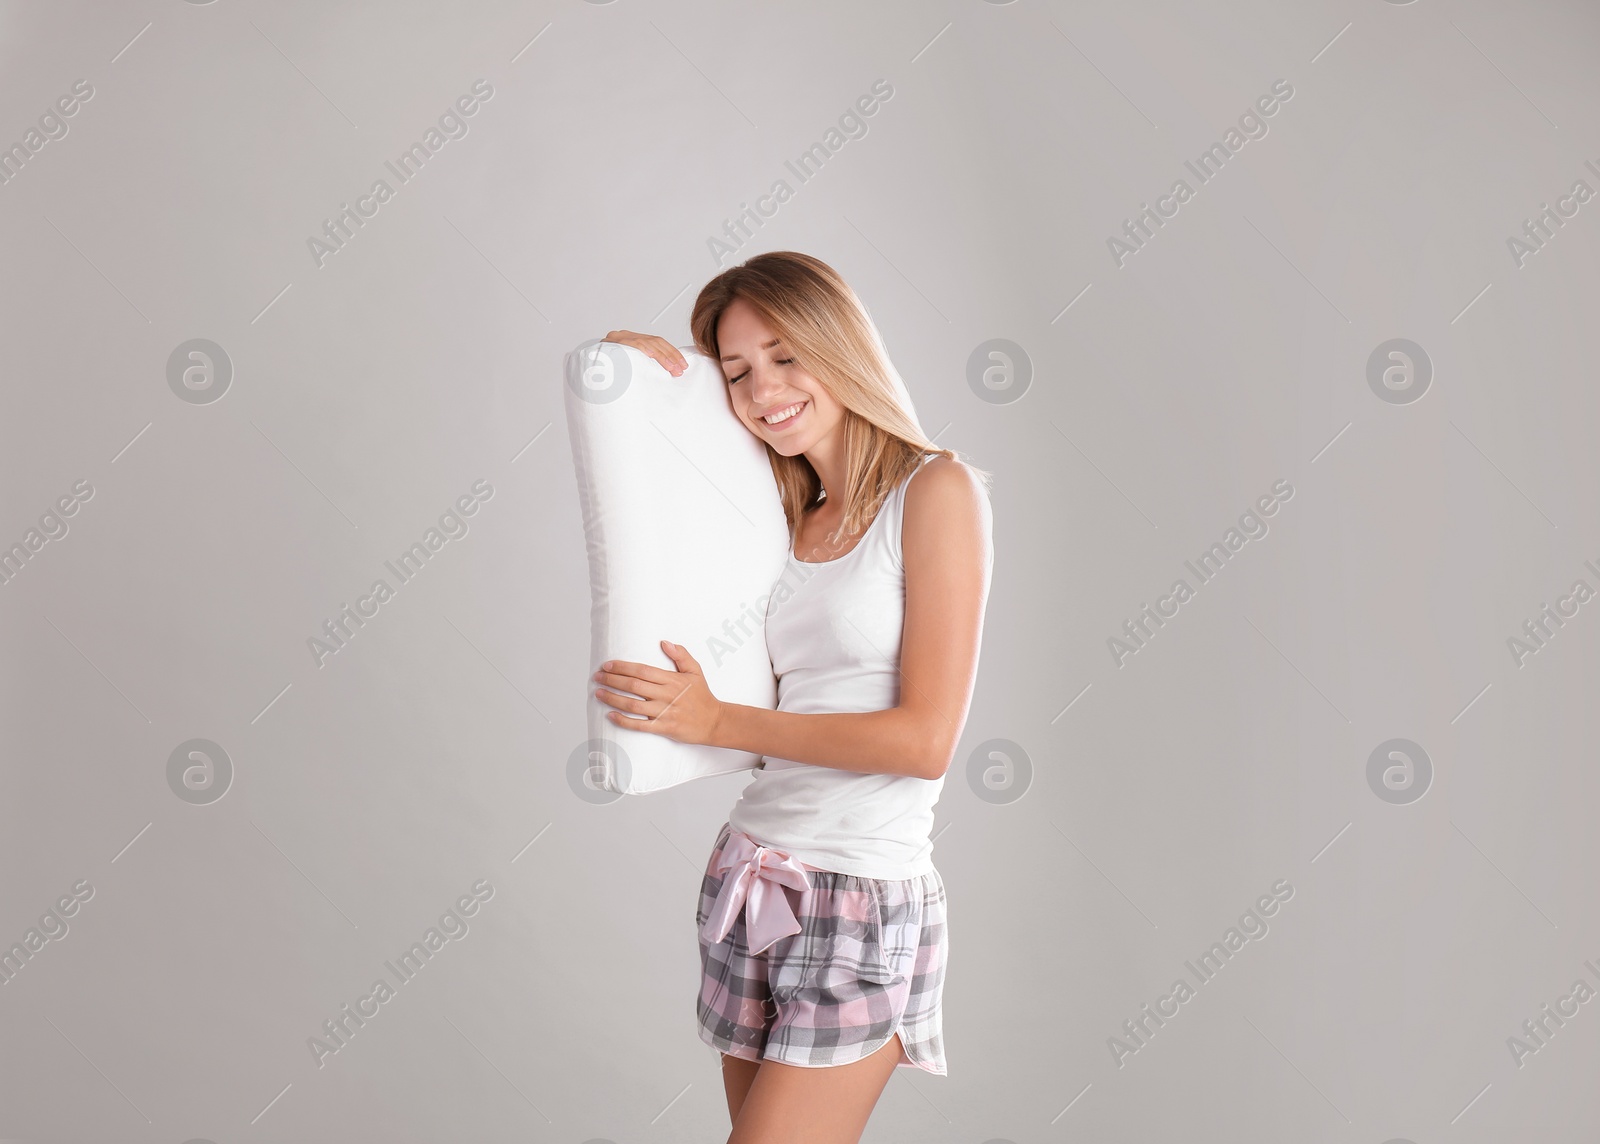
(778, 401)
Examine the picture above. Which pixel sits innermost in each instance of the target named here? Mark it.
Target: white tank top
(833, 632)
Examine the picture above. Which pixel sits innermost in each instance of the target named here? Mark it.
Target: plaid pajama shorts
(868, 961)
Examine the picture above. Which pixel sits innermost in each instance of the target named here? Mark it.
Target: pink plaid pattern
(868, 961)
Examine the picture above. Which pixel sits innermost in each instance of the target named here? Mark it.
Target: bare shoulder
(947, 502)
(949, 474)
(945, 483)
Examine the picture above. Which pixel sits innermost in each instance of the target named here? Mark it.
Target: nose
(764, 385)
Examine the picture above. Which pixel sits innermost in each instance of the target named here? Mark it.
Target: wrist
(721, 725)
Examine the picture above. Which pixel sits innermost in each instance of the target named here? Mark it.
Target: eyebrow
(740, 357)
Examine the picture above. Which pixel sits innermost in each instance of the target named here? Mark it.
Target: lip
(788, 422)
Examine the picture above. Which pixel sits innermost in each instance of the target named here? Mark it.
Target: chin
(788, 447)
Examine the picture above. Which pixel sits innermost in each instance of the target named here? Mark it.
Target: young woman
(822, 917)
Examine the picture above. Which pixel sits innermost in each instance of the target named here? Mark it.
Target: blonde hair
(828, 332)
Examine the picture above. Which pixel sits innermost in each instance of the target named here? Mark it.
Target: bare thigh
(737, 1076)
(789, 1104)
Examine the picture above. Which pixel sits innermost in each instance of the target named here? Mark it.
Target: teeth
(783, 414)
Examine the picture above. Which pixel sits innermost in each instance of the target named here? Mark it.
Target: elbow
(934, 759)
(927, 745)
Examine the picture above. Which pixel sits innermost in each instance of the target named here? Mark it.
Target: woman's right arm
(663, 351)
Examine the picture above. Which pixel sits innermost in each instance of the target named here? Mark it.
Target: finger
(640, 687)
(680, 657)
(644, 725)
(637, 670)
(677, 356)
(624, 702)
(667, 354)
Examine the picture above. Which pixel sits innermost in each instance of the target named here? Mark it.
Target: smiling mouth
(782, 417)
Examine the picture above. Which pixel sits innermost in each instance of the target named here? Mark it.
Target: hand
(664, 352)
(678, 704)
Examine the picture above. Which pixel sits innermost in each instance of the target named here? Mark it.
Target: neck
(827, 458)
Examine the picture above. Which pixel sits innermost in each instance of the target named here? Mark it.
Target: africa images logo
(1141, 228)
(341, 228)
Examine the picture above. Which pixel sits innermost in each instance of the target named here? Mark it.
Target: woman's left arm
(947, 556)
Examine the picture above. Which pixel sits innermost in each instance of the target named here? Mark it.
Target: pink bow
(755, 879)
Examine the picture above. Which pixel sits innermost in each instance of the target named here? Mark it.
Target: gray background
(1166, 795)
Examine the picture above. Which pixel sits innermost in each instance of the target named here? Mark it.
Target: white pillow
(686, 539)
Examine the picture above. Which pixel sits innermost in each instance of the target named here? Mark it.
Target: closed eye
(746, 373)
